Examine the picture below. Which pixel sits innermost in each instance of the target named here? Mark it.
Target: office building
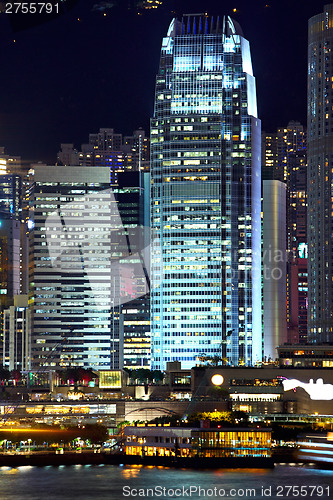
(320, 177)
(10, 269)
(72, 287)
(16, 335)
(135, 325)
(13, 241)
(274, 267)
(133, 200)
(11, 196)
(206, 177)
(277, 149)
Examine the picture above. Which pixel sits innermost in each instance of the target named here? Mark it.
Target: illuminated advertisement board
(110, 379)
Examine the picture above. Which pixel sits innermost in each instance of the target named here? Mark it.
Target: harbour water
(117, 483)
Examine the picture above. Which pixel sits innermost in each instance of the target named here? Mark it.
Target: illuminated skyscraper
(274, 266)
(71, 281)
(133, 199)
(320, 176)
(206, 175)
(284, 159)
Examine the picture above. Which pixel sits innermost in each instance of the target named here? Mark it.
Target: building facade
(197, 442)
(320, 176)
(301, 385)
(109, 149)
(132, 194)
(11, 196)
(9, 164)
(16, 335)
(205, 152)
(274, 267)
(284, 159)
(10, 259)
(136, 148)
(72, 287)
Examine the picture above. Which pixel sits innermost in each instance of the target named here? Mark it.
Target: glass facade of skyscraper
(205, 152)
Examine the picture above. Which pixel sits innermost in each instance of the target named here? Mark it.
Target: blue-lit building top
(205, 152)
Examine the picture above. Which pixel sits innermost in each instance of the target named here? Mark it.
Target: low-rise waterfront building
(192, 442)
(269, 389)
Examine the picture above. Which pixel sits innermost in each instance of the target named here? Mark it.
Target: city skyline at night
(166, 255)
(231, 170)
(57, 89)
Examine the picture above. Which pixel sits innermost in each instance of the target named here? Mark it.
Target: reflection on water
(118, 483)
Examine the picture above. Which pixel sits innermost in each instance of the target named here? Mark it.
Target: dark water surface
(113, 482)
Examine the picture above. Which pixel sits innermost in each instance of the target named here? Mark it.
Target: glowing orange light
(27, 429)
(217, 379)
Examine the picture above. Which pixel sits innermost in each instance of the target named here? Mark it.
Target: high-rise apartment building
(106, 140)
(320, 176)
(206, 177)
(274, 266)
(136, 148)
(109, 149)
(68, 155)
(284, 159)
(106, 147)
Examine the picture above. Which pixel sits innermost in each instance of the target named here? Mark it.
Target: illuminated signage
(110, 379)
(303, 250)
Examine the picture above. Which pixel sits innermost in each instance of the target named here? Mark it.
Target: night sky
(62, 79)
